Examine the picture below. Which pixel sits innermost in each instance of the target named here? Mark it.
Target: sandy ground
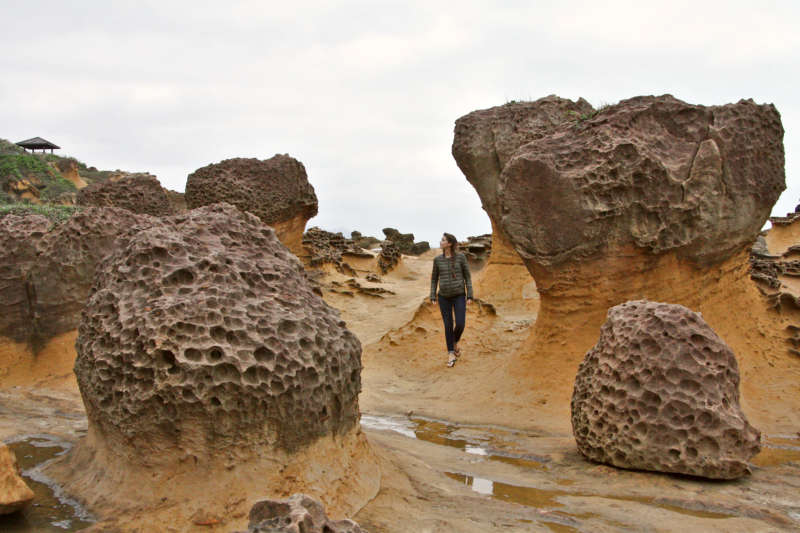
(472, 448)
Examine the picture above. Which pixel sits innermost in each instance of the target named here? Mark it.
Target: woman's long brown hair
(453, 249)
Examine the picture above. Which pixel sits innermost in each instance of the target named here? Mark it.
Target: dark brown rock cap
(660, 391)
(275, 189)
(566, 181)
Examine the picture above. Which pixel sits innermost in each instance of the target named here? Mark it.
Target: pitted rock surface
(19, 240)
(389, 256)
(405, 242)
(203, 334)
(275, 189)
(327, 247)
(140, 193)
(660, 391)
(565, 181)
(47, 269)
(298, 514)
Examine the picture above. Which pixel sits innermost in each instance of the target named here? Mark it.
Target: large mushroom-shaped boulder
(660, 391)
(276, 190)
(202, 339)
(648, 198)
(140, 193)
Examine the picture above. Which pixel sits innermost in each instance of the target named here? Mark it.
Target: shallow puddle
(492, 443)
(778, 450)
(51, 510)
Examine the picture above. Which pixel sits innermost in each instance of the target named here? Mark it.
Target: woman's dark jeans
(447, 306)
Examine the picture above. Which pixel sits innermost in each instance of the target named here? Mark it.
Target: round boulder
(660, 391)
(203, 334)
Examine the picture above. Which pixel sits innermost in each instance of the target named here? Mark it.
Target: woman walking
(451, 273)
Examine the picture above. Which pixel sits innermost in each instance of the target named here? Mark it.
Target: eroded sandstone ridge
(140, 193)
(298, 514)
(203, 349)
(649, 198)
(276, 190)
(660, 391)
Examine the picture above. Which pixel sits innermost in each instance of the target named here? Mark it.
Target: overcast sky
(365, 93)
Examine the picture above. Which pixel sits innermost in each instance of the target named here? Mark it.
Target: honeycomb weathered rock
(140, 193)
(660, 391)
(47, 269)
(203, 334)
(298, 514)
(276, 190)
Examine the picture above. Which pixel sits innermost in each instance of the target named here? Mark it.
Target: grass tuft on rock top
(55, 213)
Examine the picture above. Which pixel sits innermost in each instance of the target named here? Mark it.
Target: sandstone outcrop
(276, 190)
(364, 241)
(68, 168)
(660, 391)
(389, 258)
(48, 268)
(14, 492)
(477, 249)
(298, 514)
(648, 198)
(325, 247)
(204, 357)
(139, 193)
(405, 242)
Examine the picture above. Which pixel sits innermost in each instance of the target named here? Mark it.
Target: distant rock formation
(405, 242)
(138, 193)
(68, 168)
(276, 190)
(660, 391)
(298, 514)
(651, 197)
(364, 241)
(202, 340)
(477, 249)
(325, 247)
(47, 270)
(14, 492)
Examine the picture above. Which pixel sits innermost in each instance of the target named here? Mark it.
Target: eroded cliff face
(650, 198)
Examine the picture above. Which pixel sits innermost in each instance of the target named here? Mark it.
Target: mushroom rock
(649, 198)
(206, 361)
(14, 492)
(660, 391)
(276, 190)
(139, 193)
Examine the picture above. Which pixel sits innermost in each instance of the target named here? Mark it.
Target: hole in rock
(165, 359)
(192, 354)
(263, 354)
(225, 372)
(215, 354)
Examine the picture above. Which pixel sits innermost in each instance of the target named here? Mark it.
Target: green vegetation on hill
(41, 170)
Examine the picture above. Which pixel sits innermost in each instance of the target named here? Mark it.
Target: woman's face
(444, 243)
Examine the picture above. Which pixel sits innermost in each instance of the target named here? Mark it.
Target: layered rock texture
(660, 391)
(649, 198)
(276, 190)
(14, 492)
(298, 514)
(139, 193)
(324, 247)
(202, 340)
